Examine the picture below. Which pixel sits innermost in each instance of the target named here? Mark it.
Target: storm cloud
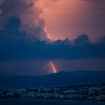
(13, 45)
(20, 21)
(29, 15)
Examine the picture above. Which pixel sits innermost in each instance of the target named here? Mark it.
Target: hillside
(50, 80)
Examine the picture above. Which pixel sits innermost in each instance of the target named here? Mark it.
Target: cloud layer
(56, 19)
(28, 13)
(69, 18)
(14, 46)
(19, 49)
(21, 21)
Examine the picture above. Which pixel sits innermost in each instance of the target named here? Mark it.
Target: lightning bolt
(53, 67)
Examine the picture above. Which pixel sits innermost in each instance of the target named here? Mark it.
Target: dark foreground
(44, 102)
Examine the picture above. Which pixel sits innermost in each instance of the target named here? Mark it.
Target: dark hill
(58, 79)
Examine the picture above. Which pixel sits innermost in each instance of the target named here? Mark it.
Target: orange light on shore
(53, 67)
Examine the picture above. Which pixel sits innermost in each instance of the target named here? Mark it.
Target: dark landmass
(62, 79)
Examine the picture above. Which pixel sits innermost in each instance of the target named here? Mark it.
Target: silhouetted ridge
(55, 79)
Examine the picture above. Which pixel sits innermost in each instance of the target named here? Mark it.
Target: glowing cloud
(56, 19)
(70, 18)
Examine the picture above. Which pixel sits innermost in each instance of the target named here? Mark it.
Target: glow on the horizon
(53, 67)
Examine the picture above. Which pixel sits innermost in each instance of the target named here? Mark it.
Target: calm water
(44, 102)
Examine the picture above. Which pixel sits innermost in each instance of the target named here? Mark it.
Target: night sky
(68, 33)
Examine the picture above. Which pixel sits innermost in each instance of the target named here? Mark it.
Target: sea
(45, 102)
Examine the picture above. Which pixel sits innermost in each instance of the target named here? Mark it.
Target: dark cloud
(12, 8)
(82, 39)
(1, 2)
(11, 29)
(102, 40)
(28, 13)
(18, 48)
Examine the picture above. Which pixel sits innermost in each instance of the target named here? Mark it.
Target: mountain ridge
(55, 79)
